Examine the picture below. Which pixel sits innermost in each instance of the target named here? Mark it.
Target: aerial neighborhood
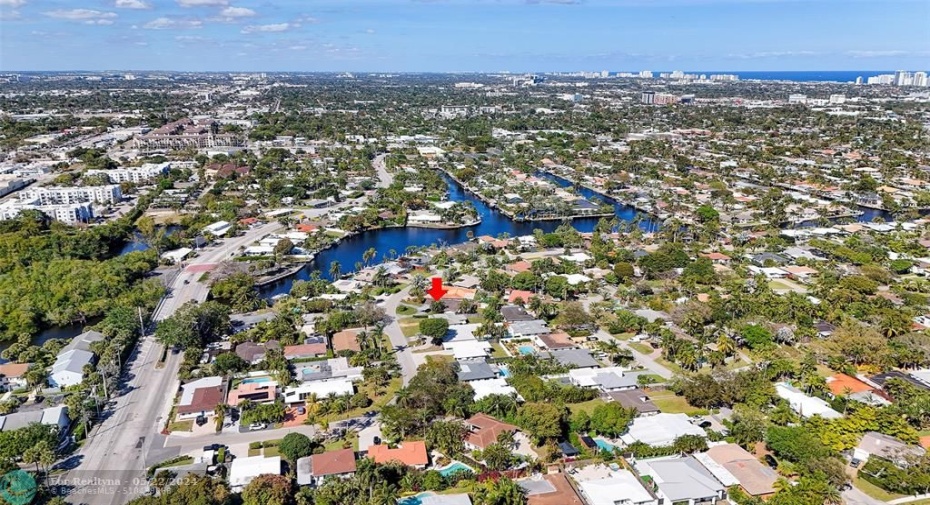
(483, 289)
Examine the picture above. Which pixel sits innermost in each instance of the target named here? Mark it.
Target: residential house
(512, 313)
(806, 406)
(53, 416)
(732, 465)
(483, 431)
(576, 358)
(318, 389)
(13, 376)
(495, 386)
(332, 464)
(527, 329)
(311, 348)
(854, 389)
(660, 430)
(200, 397)
(410, 453)
(886, 447)
(253, 391)
(519, 294)
(475, 370)
(682, 481)
(253, 352)
(68, 369)
(768, 258)
(613, 378)
(620, 486)
(333, 368)
(556, 341)
(549, 489)
(636, 399)
(444, 499)
(244, 470)
(347, 340)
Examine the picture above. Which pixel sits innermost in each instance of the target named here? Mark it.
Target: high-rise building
(859, 80)
(837, 99)
(645, 74)
(605, 74)
(920, 79)
(648, 97)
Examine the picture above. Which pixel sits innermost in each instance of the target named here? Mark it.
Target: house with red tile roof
(410, 453)
(519, 294)
(347, 340)
(200, 397)
(300, 351)
(483, 431)
(332, 464)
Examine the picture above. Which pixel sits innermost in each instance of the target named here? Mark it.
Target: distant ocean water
(805, 76)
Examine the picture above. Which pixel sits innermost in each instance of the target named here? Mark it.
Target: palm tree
(726, 345)
(335, 269)
(369, 255)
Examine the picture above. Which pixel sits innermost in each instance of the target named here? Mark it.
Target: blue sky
(464, 35)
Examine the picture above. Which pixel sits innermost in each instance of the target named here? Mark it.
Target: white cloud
(164, 23)
(277, 27)
(773, 54)
(9, 15)
(12, 3)
(202, 3)
(297, 48)
(86, 16)
(876, 54)
(369, 31)
(132, 4)
(237, 12)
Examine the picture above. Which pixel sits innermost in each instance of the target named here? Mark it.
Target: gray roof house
(577, 358)
(475, 370)
(528, 328)
(56, 416)
(68, 369)
(890, 448)
(682, 480)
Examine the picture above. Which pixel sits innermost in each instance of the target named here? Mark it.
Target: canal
(493, 223)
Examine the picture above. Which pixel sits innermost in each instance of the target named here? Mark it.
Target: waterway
(493, 223)
(57, 332)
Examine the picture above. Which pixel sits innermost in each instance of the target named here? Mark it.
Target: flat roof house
(806, 406)
(244, 470)
(525, 329)
(608, 490)
(660, 430)
(682, 481)
(576, 358)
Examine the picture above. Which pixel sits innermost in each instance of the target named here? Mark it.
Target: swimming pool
(456, 466)
(504, 371)
(526, 350)
(603, 444)
(416, 499)
(251, 380)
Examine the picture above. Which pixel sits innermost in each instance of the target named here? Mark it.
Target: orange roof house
(410, 453)
(519, 294)
(484, 429)
(346, 340)
(842, 384)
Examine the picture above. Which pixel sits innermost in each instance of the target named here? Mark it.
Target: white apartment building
(65, 213)
(797, 98)
(135, 175)
(56, 195)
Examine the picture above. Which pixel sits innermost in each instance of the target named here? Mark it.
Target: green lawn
(873, 490)
(181, 425)
(406, 310)
(587, 406)
(624, 336)
(671, 403)
(186, 461)
(499, 351)
(641, 348)
(270, 452)
(656, 379)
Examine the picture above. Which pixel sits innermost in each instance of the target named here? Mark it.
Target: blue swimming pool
(504, 371)
(453, 467)
(603, 444)
(416, 499)
(526, 350)
(251, 380)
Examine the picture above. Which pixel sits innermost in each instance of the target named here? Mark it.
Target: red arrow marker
(436, 291)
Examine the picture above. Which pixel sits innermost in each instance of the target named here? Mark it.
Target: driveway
(853, 496)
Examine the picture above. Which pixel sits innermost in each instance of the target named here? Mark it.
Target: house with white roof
(244, 470)
(660, 430)
(607, 379)
(488, 387)
(68, 369)
(805, 406)
(609, 490)
(319, 390)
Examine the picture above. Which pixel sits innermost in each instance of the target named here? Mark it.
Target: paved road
(853, 496)
(384, 178)
(184, 445)
(398, 340)
(114, 458)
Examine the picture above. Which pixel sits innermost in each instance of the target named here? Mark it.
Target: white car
(257, 426)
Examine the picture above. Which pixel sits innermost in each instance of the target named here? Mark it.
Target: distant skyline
(464, 35)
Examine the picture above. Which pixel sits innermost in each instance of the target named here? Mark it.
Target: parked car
(855, 463)
(201, 420)
(301, 411)
(257, 426)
